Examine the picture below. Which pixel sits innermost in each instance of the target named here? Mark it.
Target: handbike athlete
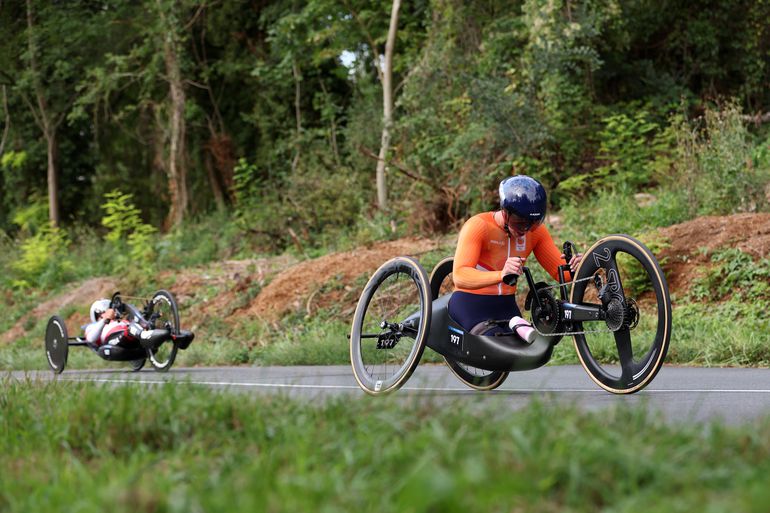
(106, 329)
(496, 244)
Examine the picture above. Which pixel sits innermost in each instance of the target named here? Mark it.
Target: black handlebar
(510, 279)
(568, 250)
(117, 304)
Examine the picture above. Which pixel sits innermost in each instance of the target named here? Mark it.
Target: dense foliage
(270, 113)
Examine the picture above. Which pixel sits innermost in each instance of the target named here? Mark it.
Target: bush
(606, 212)
(717, 166)
(126, 227)
(43, 259)
(309, 208)
(629, 147)
(734, 273)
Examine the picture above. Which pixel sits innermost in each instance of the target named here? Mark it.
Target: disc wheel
(479, 379)
(623, 354)
(56, 344)
(164, 314)
(390, 326)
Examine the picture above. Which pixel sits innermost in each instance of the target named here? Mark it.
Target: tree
(48, 113)
(170, 32)
(146, 78)
(386, 78)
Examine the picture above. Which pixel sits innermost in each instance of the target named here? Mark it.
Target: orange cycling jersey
(483, 248)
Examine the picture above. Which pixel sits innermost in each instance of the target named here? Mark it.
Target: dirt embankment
(269, 288)
(232, 290)
(691, 244)
(79, 297)
(297, 287)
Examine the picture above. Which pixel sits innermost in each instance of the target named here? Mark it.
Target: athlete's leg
(468, 310)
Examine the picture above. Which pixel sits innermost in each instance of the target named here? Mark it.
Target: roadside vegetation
(178, 447)
(635, 117)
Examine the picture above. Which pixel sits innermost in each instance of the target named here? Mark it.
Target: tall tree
(47, 46)
(47, 118)
(146, 79)
(386, 78)
(170, 27)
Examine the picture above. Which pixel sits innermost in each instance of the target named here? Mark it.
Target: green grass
(82, 447)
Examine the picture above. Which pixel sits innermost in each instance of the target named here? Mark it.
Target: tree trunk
(52, 145)
(216, 187)
(6, 121)
(387, 107)
(44, 121)
(297, 112)
(177, 157)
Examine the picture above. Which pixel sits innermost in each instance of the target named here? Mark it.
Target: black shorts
(470, 309)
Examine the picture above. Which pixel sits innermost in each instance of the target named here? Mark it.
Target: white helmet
(99, 307)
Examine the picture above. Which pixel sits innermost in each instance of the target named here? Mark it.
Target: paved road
(680, 393)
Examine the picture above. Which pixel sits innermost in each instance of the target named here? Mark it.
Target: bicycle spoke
(625, 353)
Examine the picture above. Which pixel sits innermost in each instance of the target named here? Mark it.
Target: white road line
(417, 389)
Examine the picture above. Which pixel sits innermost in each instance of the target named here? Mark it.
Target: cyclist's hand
(513, 265)
(574, 261)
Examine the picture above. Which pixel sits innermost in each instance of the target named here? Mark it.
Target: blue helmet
(525, 201)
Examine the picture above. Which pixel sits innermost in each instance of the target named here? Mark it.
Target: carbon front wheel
(623, 353)
(56, 344)
(390, 326)
(479, 379)
(164, 315)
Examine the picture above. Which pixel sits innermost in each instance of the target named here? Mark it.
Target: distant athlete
(106, 329)
(496, 244)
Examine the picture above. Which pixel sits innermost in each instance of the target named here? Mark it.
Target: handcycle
(158, 340)
(617, 308)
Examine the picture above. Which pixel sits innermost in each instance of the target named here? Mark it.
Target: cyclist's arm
(464, 272)
(94, 330)
(547, 253)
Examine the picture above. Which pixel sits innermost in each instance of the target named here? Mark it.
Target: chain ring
(547, 318)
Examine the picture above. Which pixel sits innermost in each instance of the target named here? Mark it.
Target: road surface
(733, 395)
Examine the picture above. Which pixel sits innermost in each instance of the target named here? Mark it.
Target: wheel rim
(480, 379)
(165, 316)
(627, 359)
(383, 356)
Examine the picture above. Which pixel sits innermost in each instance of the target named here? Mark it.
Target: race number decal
(455, 338)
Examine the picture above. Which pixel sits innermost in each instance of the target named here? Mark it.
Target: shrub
(734, 272)
(126, 227)
(43, 258)
(716, 165)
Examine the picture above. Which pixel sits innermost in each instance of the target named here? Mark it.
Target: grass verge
(178, 447)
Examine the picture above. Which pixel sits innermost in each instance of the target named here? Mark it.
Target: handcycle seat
(503, 352)
(118, 353)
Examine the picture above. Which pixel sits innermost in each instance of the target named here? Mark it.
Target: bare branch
(398, 166)
(757, 118)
